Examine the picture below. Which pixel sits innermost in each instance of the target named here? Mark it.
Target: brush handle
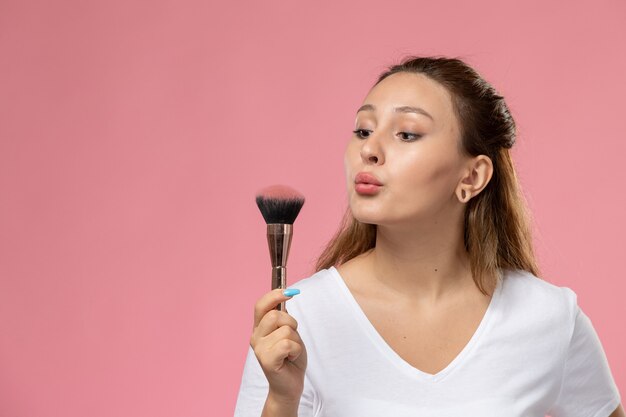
(279, 243)
(279, 280)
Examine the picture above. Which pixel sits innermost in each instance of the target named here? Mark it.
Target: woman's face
(414, 155)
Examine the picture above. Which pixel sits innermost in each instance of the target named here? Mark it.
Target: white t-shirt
(534, 353)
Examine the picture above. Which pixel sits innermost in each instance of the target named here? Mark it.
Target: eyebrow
(401, 109)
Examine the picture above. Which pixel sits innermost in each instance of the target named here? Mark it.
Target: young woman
(427, 302)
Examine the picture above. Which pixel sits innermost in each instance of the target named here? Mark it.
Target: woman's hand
(279, 348)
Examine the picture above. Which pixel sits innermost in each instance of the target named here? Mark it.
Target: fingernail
(289, 292)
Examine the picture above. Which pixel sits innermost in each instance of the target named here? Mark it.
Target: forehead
(412, 89)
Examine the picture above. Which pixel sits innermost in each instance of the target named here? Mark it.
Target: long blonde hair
(497, 231)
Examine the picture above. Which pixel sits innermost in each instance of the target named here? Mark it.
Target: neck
(424, 263)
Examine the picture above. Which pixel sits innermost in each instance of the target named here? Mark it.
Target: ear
(476, 176)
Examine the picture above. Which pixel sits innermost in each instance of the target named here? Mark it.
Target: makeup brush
(279, 206)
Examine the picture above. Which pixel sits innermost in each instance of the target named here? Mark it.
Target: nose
(371, 150)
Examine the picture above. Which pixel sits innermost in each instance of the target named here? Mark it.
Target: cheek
(352, 155)
(425, 174)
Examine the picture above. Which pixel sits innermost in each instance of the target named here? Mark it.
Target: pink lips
(366, 178)
(366, 184)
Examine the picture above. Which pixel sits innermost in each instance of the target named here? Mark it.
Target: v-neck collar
(391, 354)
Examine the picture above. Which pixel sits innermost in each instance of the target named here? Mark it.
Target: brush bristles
(279, 204)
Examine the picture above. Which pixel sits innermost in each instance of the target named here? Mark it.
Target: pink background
(135, 134)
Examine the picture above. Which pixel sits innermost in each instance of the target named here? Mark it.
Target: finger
(284, 332)
(272, 321)
(283, 349)
(268, 302)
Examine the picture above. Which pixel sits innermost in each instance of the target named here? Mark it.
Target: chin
(376, 218)
(364, 217)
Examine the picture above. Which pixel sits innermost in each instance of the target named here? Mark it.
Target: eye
(412, 136)
(407, 136)
(358, 133)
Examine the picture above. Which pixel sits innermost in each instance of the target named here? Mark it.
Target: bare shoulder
(348, 267)
(354, 272)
